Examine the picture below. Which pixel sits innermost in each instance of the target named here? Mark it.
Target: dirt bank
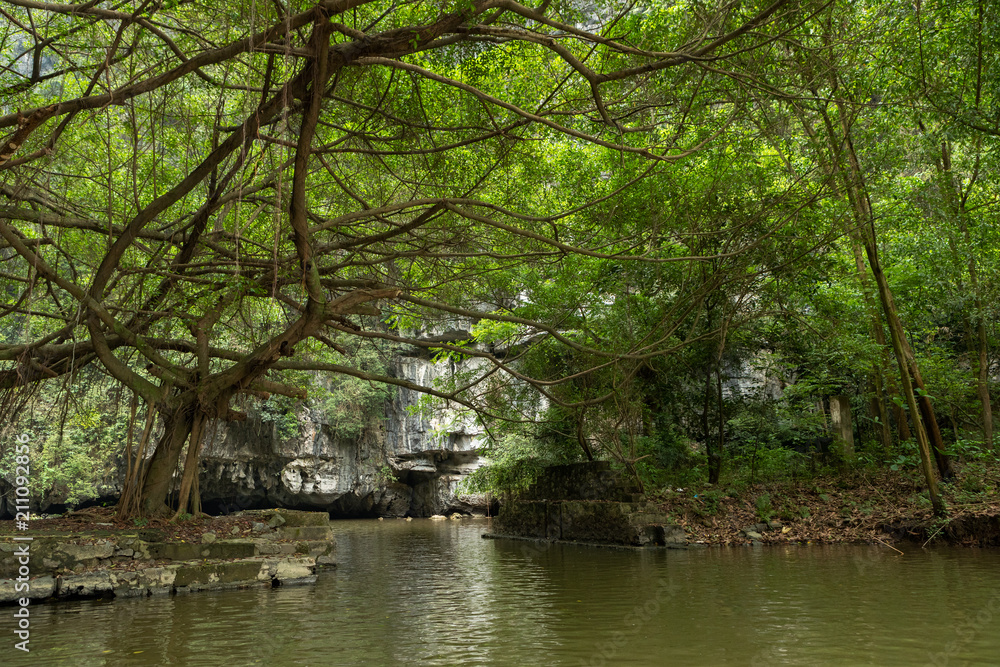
(869, 507)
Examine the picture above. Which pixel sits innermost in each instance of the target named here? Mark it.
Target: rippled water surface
(435, 593)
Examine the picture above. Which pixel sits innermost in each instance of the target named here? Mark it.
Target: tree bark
(160, 472)
(902, 423)
(934, 430)
(581, 437)
(713, 457)
(190, 478)
(877, 400)
(896, 332)
(715, 463)
(983, 387)
(714, 453)
(845, 167)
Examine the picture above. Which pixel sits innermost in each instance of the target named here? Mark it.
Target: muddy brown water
(435, 593)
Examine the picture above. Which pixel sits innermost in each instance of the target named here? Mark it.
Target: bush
(514, 460)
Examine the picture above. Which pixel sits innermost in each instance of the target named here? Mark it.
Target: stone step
(51, 554)
(285, 517)
(309, 533)
(178, 577)
(192, 551)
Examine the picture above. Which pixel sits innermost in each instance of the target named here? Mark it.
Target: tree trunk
(926, 409)
(712, 455)
(190, 479)
(581, 437)
(902, 424)
(715, 462)
(160, 472)
(956, 199)
(877, 399)
(876, 406)
(896, 332)
(983, 386)
(846, 167)
(934, 431)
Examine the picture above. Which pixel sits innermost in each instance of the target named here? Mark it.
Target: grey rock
(411, 466)
(208, 538)
(673, 535)
(289, 569)
(84, 552)
(86, 585)
(43, 587)
(7, 590)
(39, 588)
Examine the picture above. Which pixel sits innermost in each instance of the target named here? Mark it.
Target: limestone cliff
(406, 462)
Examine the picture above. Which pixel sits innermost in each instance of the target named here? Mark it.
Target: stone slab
(305, 532)
(173, 578)
(292, 518)
(126, 565)
(193, 551)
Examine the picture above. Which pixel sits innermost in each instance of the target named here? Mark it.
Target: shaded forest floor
(881, 506)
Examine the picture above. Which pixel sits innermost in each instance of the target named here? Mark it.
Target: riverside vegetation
(670, 231)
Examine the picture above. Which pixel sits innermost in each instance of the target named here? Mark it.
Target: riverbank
(849, 507)
(435, 594)
(593, 503)
(90, 554)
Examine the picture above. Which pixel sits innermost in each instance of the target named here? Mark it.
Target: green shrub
(764, 508)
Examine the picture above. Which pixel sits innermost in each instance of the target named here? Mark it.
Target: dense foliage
(632, 204)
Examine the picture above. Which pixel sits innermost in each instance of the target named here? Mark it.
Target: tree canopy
(199, 197)
(201, 194)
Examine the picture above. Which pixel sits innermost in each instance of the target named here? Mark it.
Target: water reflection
(427, 593)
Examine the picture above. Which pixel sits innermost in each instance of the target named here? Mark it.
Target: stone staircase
(586, 502)
(286, 547)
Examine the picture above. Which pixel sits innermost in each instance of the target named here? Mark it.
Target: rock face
(431, 454)
(408, 463)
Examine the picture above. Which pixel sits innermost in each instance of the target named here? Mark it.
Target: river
(436, 593)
